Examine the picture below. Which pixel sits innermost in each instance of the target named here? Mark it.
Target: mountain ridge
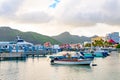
(9, 34)
(66, 37)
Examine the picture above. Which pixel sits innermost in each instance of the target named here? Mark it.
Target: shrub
(118, 46)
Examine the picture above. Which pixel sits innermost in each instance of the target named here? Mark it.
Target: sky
(52, 17)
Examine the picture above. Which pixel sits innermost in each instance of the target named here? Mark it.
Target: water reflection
(39, 68)
(74, 68)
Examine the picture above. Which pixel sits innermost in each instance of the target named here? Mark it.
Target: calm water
(39, 69)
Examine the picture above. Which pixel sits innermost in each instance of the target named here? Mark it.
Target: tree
(118, 46)
(88, 45)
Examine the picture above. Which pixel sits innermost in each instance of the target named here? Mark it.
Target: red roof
(111, 41)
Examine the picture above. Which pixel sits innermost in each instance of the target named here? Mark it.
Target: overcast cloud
(90, 12)
(70, 13)
(10, 7)
(34, 17)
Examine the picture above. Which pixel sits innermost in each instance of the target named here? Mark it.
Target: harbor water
(39, 68)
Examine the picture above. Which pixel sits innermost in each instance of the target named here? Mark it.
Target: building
(119, 40)
(47, 44)
(114, 36)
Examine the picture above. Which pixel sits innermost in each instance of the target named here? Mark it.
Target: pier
(37, 53)
(5, 56)
(10, 56)
(23, 55)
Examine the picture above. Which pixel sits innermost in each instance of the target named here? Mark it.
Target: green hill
(66, 37)
(8, 34)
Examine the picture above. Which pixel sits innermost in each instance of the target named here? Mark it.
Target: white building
(119, 40)
(114, 36)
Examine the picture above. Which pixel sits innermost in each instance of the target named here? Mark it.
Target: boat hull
(70, 62)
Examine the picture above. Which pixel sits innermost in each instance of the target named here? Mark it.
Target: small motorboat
(101, 53)
(87, 55)
(70, 58)
(72, 61)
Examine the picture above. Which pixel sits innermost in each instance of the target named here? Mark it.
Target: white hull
(82, 62)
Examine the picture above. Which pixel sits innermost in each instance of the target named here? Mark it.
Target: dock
(37, 53)
(4, 56)
(23, 55)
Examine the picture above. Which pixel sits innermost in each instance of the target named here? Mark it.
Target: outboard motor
(52, 61)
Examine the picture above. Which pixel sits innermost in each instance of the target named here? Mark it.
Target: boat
(87, 55)
(101, 53)
(97, 52)
(21, 45)
(68, 59)
(72, 61)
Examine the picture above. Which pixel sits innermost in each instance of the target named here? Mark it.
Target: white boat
(101, 53)
(72, 61)
(20, 44)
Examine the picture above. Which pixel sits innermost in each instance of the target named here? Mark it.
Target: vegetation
(99, 43)
(8, 34)
(118, 46)
(87, 45)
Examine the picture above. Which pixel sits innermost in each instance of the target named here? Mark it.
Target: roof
(111, 41)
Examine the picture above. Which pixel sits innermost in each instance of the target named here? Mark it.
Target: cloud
(10, 7)
(111, 10)
(9, 10)
(98, 29)
(34, 17)
(87, 12)
(68, 12)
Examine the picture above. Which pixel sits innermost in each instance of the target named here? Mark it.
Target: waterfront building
(76, 46)
(114, 36)
(119, 40)
(47, 44)
(66, 46)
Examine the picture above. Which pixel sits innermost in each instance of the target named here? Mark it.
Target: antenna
(18, 37)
